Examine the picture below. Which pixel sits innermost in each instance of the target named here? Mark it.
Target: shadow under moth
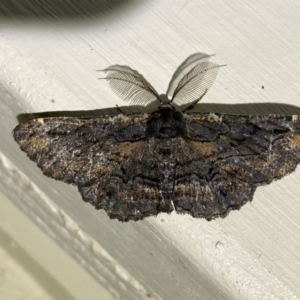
(138, 165)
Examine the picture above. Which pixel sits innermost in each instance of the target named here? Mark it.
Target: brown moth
(138, 165)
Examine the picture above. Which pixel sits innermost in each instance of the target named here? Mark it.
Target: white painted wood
(49, 64)
(34, 267)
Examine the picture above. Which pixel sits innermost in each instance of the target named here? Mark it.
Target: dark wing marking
(132, 191)
(78, 150)
(108, 158)
(225, 157)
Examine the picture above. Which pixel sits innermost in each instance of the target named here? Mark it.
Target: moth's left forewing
(79, 150)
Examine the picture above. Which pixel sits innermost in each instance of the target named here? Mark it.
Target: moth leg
(192, 105)
(120, 110)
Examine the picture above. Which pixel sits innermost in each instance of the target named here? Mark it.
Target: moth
(139, 165)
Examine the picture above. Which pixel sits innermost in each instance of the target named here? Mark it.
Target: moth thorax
(167, 131)
(169, 123)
